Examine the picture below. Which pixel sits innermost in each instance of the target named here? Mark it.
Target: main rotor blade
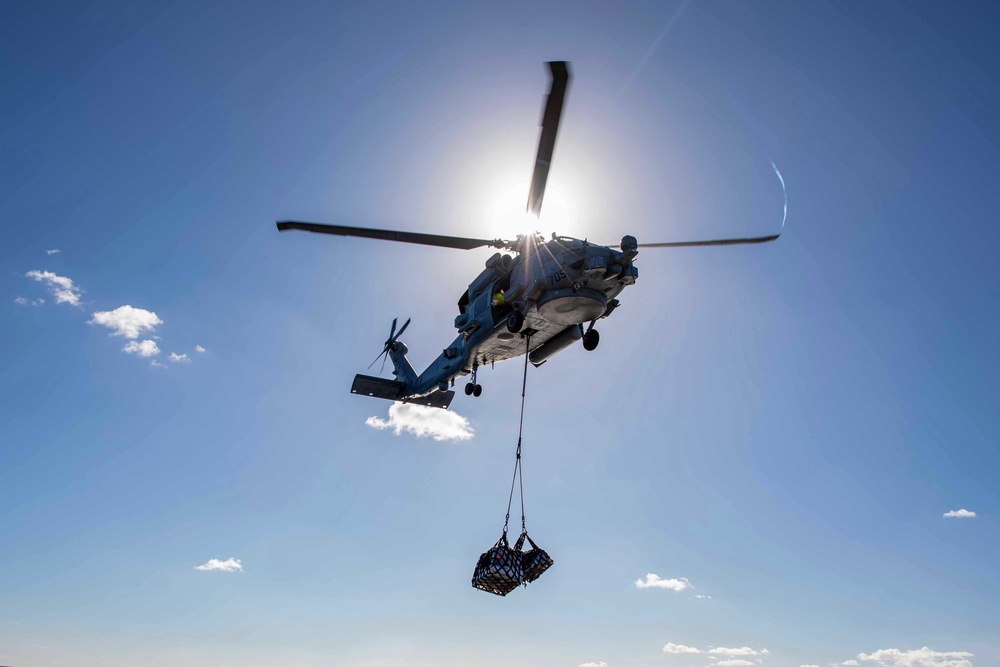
(458, 242)
(684, 244)
(547, 142)
(392, 329)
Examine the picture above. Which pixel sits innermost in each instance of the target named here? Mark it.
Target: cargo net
(501, 569)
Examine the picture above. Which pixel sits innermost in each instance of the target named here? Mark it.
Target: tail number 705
(556, 277)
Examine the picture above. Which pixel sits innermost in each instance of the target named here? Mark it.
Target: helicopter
(535, 297)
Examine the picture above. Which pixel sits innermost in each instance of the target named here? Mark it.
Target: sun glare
(507, 216)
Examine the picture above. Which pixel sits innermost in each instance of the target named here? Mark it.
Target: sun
(506, 215)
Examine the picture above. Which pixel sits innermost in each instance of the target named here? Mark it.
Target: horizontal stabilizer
(439, 399)
(366, 385)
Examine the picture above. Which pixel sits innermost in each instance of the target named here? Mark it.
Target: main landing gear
(515, 321)
(473, 389)
(590, 338)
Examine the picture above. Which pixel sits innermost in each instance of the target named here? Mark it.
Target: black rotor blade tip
(559, 69)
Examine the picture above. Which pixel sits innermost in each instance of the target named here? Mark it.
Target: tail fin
(402, 368)
(396, 350)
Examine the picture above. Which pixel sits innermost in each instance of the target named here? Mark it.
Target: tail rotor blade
(547, 142)
(380, 356)
(402, 329)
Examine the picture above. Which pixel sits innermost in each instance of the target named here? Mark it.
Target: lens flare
(784, 193)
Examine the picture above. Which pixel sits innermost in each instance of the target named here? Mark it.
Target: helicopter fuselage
(536, 302)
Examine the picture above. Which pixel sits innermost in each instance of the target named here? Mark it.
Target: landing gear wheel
(591, 339)
(469, 388)
(477, 390)
(515, 321)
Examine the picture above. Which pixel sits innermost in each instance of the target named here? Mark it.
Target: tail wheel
(515, 321)
(591, 339)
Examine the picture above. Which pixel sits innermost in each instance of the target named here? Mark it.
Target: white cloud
(924, 657)
(52, 252)
(63, 288)
(739, 662)
(146, 348)
(679, 648)
(805, 665)
(21, 301)
(594, 664)
(180, 358)
(960, 514)
(214, 564)
(850, 663)
(127, 321)
(156, 364)
(424, 422)
(743, 650)
(703, 597)
(654, 581)
(199, 349)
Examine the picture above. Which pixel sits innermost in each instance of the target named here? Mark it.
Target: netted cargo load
(534, 561)
(499, 569)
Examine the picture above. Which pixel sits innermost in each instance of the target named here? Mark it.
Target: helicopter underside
(545, 321)
(568, 306)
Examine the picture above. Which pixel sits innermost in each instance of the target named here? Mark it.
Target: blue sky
(775, 432)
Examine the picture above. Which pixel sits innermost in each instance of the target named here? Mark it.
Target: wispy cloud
(216, 565)
(743, 650)
(923, 657)
(146, 348)
(61, 287)
(960, 514)
(735, 662)
(593, 664)
(703, 597)
(127, 321)
(810, 665)
(654, 581)
(850, 663)
(424, 422)
(52, 252)
(679, 648)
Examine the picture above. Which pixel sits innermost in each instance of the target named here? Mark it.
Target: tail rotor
(390, 341)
